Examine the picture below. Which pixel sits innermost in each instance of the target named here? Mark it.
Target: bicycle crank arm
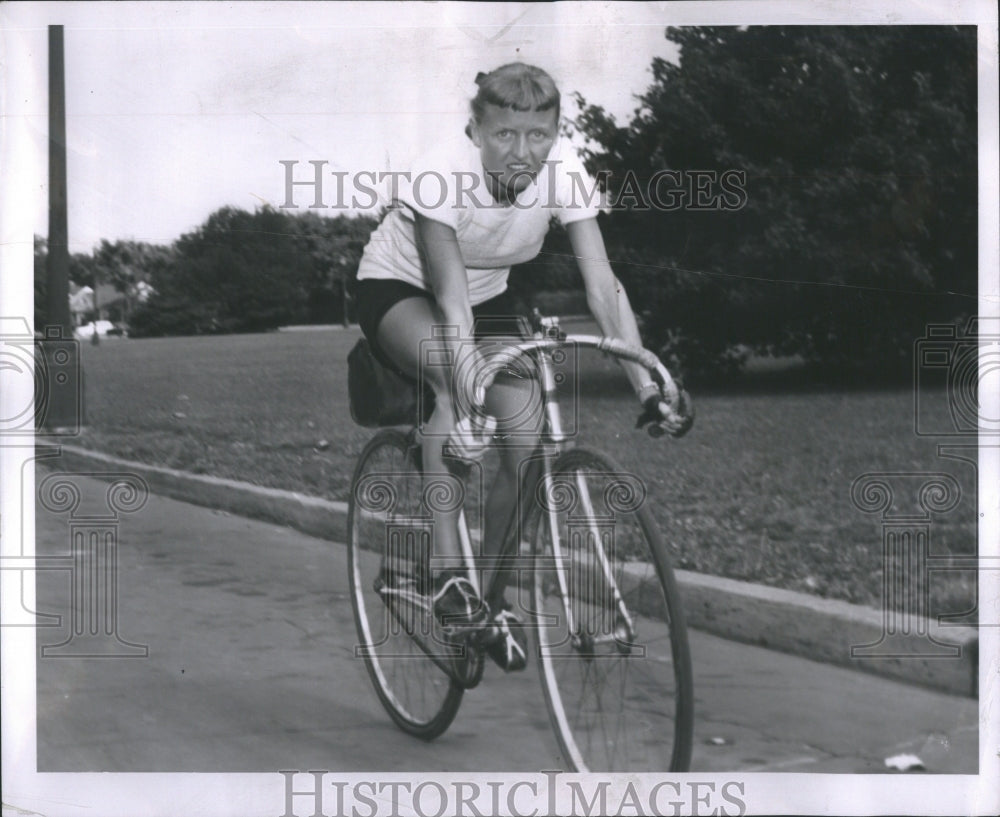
(452, 654)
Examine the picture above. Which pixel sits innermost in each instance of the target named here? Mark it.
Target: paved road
(250, 668)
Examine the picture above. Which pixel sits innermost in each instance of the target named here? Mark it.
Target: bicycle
(603, 608)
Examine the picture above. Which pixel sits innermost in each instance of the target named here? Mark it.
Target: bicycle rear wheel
(613, 648)
(386, 524)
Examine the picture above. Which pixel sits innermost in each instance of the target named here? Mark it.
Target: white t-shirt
(449, 185)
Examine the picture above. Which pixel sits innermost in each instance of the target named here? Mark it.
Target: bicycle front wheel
(388, 526)
(612, 644)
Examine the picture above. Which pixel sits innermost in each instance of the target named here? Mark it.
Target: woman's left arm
(606, 297)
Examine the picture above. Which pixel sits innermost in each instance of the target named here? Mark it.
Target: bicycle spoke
(387, 531)
(620, 702)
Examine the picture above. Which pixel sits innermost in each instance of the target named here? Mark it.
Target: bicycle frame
(550, 445)
(592, 573)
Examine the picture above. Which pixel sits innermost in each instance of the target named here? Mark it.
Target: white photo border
(27, 791)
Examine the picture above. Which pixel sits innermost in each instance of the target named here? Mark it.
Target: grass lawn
(759, 490)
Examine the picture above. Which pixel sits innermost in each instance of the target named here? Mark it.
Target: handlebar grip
(656, 430)
(677, 424)
(471, 437)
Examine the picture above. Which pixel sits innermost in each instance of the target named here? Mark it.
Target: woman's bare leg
(516, 403)
(402, 333)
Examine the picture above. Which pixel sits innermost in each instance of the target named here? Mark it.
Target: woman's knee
(517, 405)
(403, 334)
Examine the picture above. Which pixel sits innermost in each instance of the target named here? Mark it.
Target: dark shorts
(373, 297)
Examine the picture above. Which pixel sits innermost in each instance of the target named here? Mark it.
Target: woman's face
(514, 144)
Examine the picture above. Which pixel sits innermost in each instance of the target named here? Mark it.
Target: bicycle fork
(623, 633)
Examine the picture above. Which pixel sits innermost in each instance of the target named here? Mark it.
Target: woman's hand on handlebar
(473, 433)
(471, 436)
(659, 417)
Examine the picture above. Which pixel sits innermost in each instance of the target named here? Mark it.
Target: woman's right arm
(450, 284)
(446, 270)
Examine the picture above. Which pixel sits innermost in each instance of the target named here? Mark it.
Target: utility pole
(58, 258)
(63, 398)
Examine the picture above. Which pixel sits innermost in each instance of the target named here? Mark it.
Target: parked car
(86, 331)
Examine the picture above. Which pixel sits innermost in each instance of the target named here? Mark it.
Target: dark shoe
(510, 648)
(456, 603)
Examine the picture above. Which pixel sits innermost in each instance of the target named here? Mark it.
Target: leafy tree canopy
(848, 219)
(246, 271)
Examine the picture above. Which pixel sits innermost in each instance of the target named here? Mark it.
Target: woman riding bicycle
(441, 257)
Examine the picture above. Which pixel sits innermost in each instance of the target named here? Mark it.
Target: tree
(252, 272)
(124, 264)
(335, 246)
(553, 269)
(855, 223)
(244, 270)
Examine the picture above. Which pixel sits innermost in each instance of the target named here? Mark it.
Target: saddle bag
(379, 395)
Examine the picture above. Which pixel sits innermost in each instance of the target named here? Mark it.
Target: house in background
(81, 303)
(112, 305)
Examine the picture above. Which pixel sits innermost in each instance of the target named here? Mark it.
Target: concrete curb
(943, 658)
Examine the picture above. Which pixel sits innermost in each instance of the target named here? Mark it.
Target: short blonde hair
(516, 86)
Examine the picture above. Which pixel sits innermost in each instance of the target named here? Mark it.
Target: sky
(174, 110)
(177, 109)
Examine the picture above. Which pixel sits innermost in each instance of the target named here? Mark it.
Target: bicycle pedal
(488, 635)
(402, 596)
(461, 629)
(464, 629)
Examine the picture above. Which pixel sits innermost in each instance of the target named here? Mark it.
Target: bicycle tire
(385, 496)
(649, 720)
